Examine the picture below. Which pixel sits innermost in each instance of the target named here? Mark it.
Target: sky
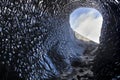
(87, 22)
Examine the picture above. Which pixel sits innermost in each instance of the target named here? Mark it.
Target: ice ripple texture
(37, 42)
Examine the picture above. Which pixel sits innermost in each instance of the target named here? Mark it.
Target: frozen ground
(83, 71)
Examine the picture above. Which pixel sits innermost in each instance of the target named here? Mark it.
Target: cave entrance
(87, 22)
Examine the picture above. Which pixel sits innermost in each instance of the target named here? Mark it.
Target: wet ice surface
(34, 33)
(22, 35)
(0, 29)
(28, 39)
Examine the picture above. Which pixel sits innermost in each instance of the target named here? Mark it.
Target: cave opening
(87, 22)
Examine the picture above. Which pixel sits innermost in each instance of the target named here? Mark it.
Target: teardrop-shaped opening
(87, 22)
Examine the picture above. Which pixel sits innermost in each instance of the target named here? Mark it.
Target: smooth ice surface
(87, 22)
(0, 29)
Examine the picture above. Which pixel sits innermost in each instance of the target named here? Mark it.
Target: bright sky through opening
(87, 22)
